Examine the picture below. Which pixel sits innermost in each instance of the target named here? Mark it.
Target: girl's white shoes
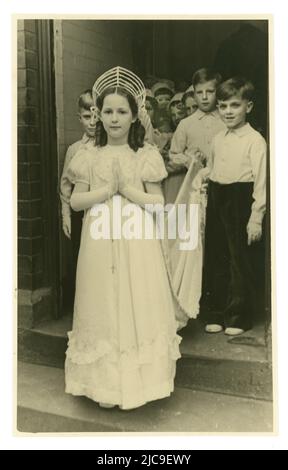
(110, 405)
(106, 405)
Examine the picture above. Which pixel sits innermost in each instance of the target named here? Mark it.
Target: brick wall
(30, 227)
(83, 50)
(36, 297)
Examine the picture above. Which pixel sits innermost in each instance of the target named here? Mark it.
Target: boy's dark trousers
(229, 282)
(76, 228)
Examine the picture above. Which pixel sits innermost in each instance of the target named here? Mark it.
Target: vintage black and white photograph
(144, 225)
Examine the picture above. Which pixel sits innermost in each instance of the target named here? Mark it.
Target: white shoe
(213, 328)
(233, 331)
(106, 405)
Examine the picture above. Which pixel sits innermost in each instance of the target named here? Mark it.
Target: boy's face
(205, 96)
(233, 111)
(163, 100)
(88, 121)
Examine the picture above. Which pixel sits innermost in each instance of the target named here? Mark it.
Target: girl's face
(190, 105)
(177, 113)
(117, 118)
(163, 100)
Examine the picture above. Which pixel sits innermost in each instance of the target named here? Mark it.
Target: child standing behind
(236, 207)
(195, 133)
(189, 102)
(71, 220)
(176, 175)
(163, 92)
(176, 109)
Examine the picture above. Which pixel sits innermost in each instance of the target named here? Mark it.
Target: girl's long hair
(137, 131)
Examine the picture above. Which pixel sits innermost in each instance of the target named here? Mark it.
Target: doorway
(171, 49)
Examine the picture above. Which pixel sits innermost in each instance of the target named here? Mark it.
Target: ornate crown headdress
(123, 78)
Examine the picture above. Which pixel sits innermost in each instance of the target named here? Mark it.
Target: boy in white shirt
(71, 220)
(194, 134)
(88, 124)
(236, 207)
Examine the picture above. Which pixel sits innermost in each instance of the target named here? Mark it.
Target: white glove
(114, 183)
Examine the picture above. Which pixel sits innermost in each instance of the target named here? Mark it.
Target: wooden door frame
(49, 161)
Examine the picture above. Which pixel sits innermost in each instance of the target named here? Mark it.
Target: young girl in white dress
(124, 344)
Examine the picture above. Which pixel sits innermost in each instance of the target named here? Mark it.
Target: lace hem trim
(79, 353)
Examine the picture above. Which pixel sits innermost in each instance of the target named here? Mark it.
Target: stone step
(43, 406)
(214, 363)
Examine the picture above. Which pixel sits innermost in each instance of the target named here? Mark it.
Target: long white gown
(123, 345)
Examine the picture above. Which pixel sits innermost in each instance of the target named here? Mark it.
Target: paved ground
(44, 407)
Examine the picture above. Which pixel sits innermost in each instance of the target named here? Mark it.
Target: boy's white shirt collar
(200, 114)
(241, 131)
(85, 138)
